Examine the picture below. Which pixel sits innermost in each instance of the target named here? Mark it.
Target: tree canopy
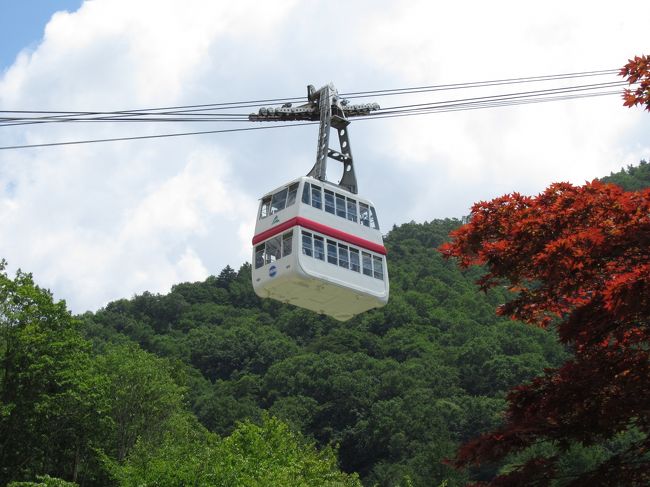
(114, 414)
(631, 178)
(637, 73)
(577, 260)
(395, 390)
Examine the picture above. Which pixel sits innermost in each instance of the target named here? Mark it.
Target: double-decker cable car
(317, 244)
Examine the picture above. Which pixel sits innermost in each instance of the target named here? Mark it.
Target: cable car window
(291, 195)
(316, 198)
(367, 263)
(306, 244)
(338, 254)
(305, 194)
(379, 267)
(329, 202)
(259, 256)
(340, 205)
(331, 252)
(319, 247)
(265, 207)
(279, 201)
(273, 249)
(286, 243)
(364, 214)
(374, 223)
(344, 260)
(352, 210)
(354, 260)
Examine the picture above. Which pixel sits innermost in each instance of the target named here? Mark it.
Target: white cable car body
(319, 247)
(317, 244)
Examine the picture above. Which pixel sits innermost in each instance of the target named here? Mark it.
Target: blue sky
(22, 23)
(100, 222)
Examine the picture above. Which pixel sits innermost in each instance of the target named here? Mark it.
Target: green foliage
(220, 352)
(47, 392)
(397, 389)
(270, 454)
(117, 413)
(142, 396)
(576, 459)
(44, 481)
(632, 178)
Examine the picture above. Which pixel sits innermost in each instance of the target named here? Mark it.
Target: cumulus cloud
(463, 157)
(104, 221)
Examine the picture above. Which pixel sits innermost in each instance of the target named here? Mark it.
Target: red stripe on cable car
(320, 228)
(292, 222)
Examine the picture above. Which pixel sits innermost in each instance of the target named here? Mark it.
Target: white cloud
(104, 221)
(463, 157)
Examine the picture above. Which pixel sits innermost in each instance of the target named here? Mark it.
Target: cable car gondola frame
(317, 244)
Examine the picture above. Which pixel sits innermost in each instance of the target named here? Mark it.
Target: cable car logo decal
(275, 220)
(273, 271)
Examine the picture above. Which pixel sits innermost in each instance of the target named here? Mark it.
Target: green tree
(631, 178)
(396, 389)
(255, 456)
(142, 396)
(44, 481)
(49, 397)
(219, 352)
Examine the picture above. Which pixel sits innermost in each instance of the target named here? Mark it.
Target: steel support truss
(326, 106)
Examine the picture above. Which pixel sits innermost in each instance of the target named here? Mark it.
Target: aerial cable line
(188, 113)
(113, 117)
(249, 103)
(56, 116)
(513, 95)
(477, 84)
(482, 105)
(157, 136)
(176, 109)
(469, 104)
(11, 121)
(402, 113)
(239, 117)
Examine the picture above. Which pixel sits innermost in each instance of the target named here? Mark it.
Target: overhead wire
(482, 105)
(54, 116)
(209, 112)
(566, 89)
(441, 109)
(243, 117)
(156, 136)
(479, 84)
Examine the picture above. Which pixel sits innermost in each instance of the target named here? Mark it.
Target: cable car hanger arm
(326, 106)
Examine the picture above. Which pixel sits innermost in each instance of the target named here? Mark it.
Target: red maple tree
(637, 72)
(577, 259)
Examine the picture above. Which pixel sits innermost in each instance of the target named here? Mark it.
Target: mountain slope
(397, 388)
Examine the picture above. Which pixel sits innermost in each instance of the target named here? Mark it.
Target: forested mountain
(209, 385)
(631, 178)
(394, 389)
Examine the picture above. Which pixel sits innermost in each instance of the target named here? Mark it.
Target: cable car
(317, 244)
